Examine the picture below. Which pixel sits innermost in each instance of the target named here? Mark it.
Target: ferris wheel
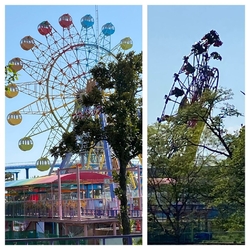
(193, 78)
(58, 74)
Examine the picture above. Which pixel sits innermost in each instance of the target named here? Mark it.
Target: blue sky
(127, 21)
(172, 30)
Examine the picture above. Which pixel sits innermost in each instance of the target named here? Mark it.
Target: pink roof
(85, 178)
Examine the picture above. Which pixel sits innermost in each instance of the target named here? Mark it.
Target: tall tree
(175, 182)
(184, 161)
(230, 181)
(116, 93)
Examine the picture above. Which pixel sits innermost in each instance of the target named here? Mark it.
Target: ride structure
(194, 78)
(60, 72)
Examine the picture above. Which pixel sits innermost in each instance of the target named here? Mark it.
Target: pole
(27, 173)
(97, 31)
(78, 193)
(59, 194)
(139, 189)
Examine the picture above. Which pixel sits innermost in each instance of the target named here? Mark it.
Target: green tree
(10, 76)
(230, 181)
(175, 182)
(117, 93)
(9, 176)
(188, 158)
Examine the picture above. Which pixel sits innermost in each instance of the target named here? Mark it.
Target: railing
(50, 209)
(199, 237)
(132, 239)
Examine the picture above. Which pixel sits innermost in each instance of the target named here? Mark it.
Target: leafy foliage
(10, 76)
(230, 181)
(194, 169)
(9, 176)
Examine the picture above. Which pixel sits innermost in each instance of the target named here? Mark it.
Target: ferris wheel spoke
(43, 124)
(42, 52)
(88, 52)
(54, 137)
(37, 72)
(62, 114)
(53, 39)
(36, 107)
(32, 89)
(104, 37)
(71, 36)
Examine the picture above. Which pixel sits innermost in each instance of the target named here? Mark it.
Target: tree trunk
(124, 202)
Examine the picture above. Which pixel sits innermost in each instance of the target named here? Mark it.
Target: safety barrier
(132, 239)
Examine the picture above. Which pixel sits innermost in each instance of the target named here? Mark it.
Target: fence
(203, 238)
(132, 239)
(50, 208)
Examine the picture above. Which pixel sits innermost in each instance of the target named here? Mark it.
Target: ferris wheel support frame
(107, 156)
